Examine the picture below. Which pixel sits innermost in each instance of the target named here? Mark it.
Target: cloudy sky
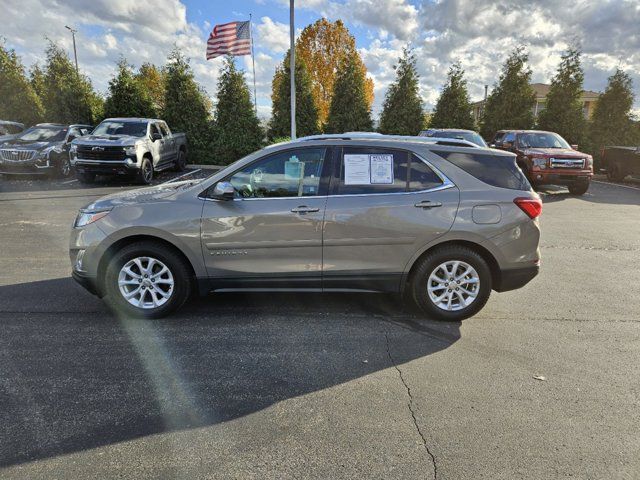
(479, 33)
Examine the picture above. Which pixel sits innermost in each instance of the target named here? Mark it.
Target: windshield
(134, 129)
(541, 140)
(472, 137)
(43, 134)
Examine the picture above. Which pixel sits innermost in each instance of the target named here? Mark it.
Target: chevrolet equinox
(441, 221)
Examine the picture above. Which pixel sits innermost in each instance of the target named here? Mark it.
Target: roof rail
(454, 142)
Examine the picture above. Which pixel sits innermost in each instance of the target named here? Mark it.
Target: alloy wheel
(453, 285)
(146, 282)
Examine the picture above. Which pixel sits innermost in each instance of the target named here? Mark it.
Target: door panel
(372, 230)
(270, 235)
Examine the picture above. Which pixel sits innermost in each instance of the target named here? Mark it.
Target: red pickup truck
(547, 159)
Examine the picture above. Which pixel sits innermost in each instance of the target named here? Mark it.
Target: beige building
(541, 90)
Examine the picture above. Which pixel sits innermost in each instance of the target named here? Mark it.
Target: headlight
(73, 148)
(539, 162)
(48, 150)
(86, 217)
(130, 150)
(589, 162)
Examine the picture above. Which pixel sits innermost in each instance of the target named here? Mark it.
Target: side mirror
(575, 147)
(507, 145)
(223, 191)
(71, 138)
(156, 136)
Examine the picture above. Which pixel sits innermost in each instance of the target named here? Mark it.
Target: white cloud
(272, 35)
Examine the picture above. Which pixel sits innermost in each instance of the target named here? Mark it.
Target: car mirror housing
(156, 136)
(574, 146)
(223, 191)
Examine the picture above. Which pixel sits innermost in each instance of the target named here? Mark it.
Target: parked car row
(133, 147)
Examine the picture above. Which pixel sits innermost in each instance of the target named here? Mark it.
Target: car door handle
(304, 209)
(427, 204)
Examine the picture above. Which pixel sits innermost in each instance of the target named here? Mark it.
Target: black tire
(181, 161)
(615, 172)
(180, 270)
(145, 174)
(86, 178)
(63, 168)
(429, 263)
(579, 188)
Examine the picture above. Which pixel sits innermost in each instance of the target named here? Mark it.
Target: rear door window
(365, 170)
(496, 170)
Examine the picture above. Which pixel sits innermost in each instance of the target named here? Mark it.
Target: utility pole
(75, 53)
(292, 68)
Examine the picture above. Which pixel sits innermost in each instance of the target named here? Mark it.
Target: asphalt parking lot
(334, 386)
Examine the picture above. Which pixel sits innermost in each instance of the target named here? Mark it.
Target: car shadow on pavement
(75, 377)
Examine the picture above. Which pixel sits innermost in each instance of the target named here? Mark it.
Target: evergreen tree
(612, 123)
(453, 109)
(68, 96)
(127, 96)
(18, 100)
(237, 129)
(306, 110)
(349, 110)
(37, 80)
(402, 112)
(563, 109)
(187, 108)
(511, 102)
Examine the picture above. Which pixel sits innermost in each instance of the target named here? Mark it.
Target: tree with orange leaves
(325, 46)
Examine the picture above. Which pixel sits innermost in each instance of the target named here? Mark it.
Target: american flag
(233, 38)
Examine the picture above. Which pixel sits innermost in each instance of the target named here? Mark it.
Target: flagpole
(292, 69)
(253, 61)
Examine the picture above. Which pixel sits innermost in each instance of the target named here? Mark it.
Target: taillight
(531, 206)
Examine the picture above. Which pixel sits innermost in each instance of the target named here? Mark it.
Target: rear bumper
(514, 278)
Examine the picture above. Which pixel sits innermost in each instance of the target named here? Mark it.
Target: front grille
(107, 154)
(567, 163)
(17, 155)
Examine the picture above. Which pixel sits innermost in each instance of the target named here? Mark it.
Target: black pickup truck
(621, 161)
(41, 150)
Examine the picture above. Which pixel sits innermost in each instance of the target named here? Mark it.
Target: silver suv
(438, 220)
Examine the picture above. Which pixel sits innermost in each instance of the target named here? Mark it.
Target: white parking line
(181, 176)
(69, 181)
(616, 185)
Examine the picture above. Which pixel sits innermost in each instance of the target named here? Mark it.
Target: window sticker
(357, 170)
(381, 169)
(293, 169)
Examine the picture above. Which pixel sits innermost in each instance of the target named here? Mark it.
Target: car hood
(555, 152)
(108, 140)
(141, 195)
(18, 145)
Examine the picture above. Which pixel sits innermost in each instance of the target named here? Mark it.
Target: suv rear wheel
(451, 283)
(181, 161)
(147, 280)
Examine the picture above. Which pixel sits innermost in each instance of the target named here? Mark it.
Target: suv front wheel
(147, 280)
(451, 283)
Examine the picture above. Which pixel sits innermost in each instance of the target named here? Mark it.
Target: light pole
(75, 54)
(292, 68)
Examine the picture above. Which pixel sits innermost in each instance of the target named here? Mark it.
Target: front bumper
(25, 168)
(89, 283)
(105, 167)
(560, 177)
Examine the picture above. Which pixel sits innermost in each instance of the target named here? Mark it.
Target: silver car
(439, 220)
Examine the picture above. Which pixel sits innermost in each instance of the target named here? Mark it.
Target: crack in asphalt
(411, 410)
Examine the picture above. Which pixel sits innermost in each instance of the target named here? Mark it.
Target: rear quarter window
(495, 170)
